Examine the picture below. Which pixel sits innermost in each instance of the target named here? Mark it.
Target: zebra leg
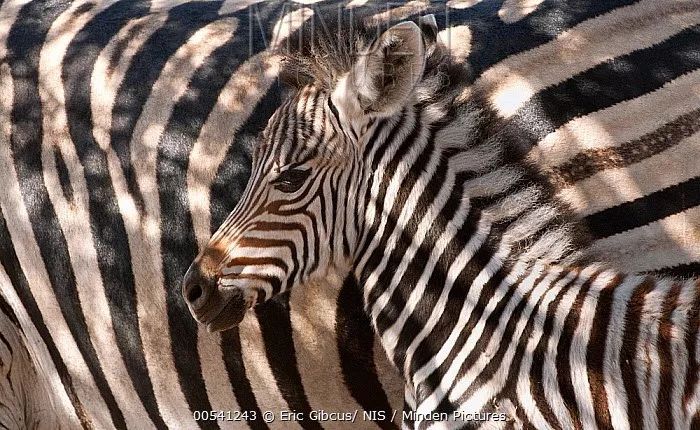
(23, 391)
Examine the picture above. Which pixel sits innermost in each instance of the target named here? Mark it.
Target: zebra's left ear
(383, 77)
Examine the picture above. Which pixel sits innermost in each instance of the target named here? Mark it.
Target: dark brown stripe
(595, 353)
(510, 390)
(588, 163)
(563, 363)
(628, 355)
(663, 407)
(355, 338)
(691, 339)
(537, 370)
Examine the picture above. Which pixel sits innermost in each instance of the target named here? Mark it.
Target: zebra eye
(291, 180)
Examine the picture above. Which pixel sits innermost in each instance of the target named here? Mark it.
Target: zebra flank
(542, 133)
(388, 164)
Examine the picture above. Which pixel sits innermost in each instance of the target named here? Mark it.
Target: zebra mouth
(230, 315)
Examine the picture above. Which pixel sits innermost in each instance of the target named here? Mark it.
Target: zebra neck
(444, 220)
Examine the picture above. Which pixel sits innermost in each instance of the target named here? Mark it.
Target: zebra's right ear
(383, 76)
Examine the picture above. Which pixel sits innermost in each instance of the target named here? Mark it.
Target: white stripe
(514, 10)
(664, 243)
(29, 255)
(74, 217)
(592, 42)
(259, 373)
(313, 321)
(462, 4)
(551, 389)
(615, 186)
(679, 352)
(391, 336)
(612, 372)
(647, 356)
(578, 367)
(619, 123)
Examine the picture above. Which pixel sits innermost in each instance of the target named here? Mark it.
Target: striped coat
(123, 128)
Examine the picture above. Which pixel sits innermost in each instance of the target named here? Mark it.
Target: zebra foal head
(299, 217)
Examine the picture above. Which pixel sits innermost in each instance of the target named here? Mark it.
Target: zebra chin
(224, 310)
(230, 316)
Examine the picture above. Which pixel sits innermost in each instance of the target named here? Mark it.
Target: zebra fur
(377, 167)
(544, 44)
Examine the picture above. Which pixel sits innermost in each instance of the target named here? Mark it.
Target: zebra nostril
(194, 293)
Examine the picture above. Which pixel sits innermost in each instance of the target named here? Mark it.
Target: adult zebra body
(122, 121)
(112, 116)
(387, 166)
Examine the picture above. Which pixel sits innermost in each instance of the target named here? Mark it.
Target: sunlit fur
(469, 269)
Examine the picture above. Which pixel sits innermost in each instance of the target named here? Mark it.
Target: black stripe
(276, 328)
(63, 175)
(492, 40)
(10, 263)
(629, 361)
(355, 339)
(25, 40)
(234, 171)
(646, 209)
(595, 352)
(233, 360)
(430, 345)
(178, 242)
(616, 80)
(108, 230)
(688, 270)
(144, 69)
(563, 360)
(5, 307)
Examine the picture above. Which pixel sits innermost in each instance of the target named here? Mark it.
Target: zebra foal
(383, 166)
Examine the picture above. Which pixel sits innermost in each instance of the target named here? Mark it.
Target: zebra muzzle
(231, 315)
(217, 307)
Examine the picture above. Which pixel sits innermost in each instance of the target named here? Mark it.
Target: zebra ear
(428, 25)
(383, 77)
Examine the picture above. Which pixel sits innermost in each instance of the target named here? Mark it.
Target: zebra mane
(326, 47)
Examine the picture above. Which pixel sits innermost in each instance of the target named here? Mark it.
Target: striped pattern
(109, 111)
(389, 164)
(123, 119)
